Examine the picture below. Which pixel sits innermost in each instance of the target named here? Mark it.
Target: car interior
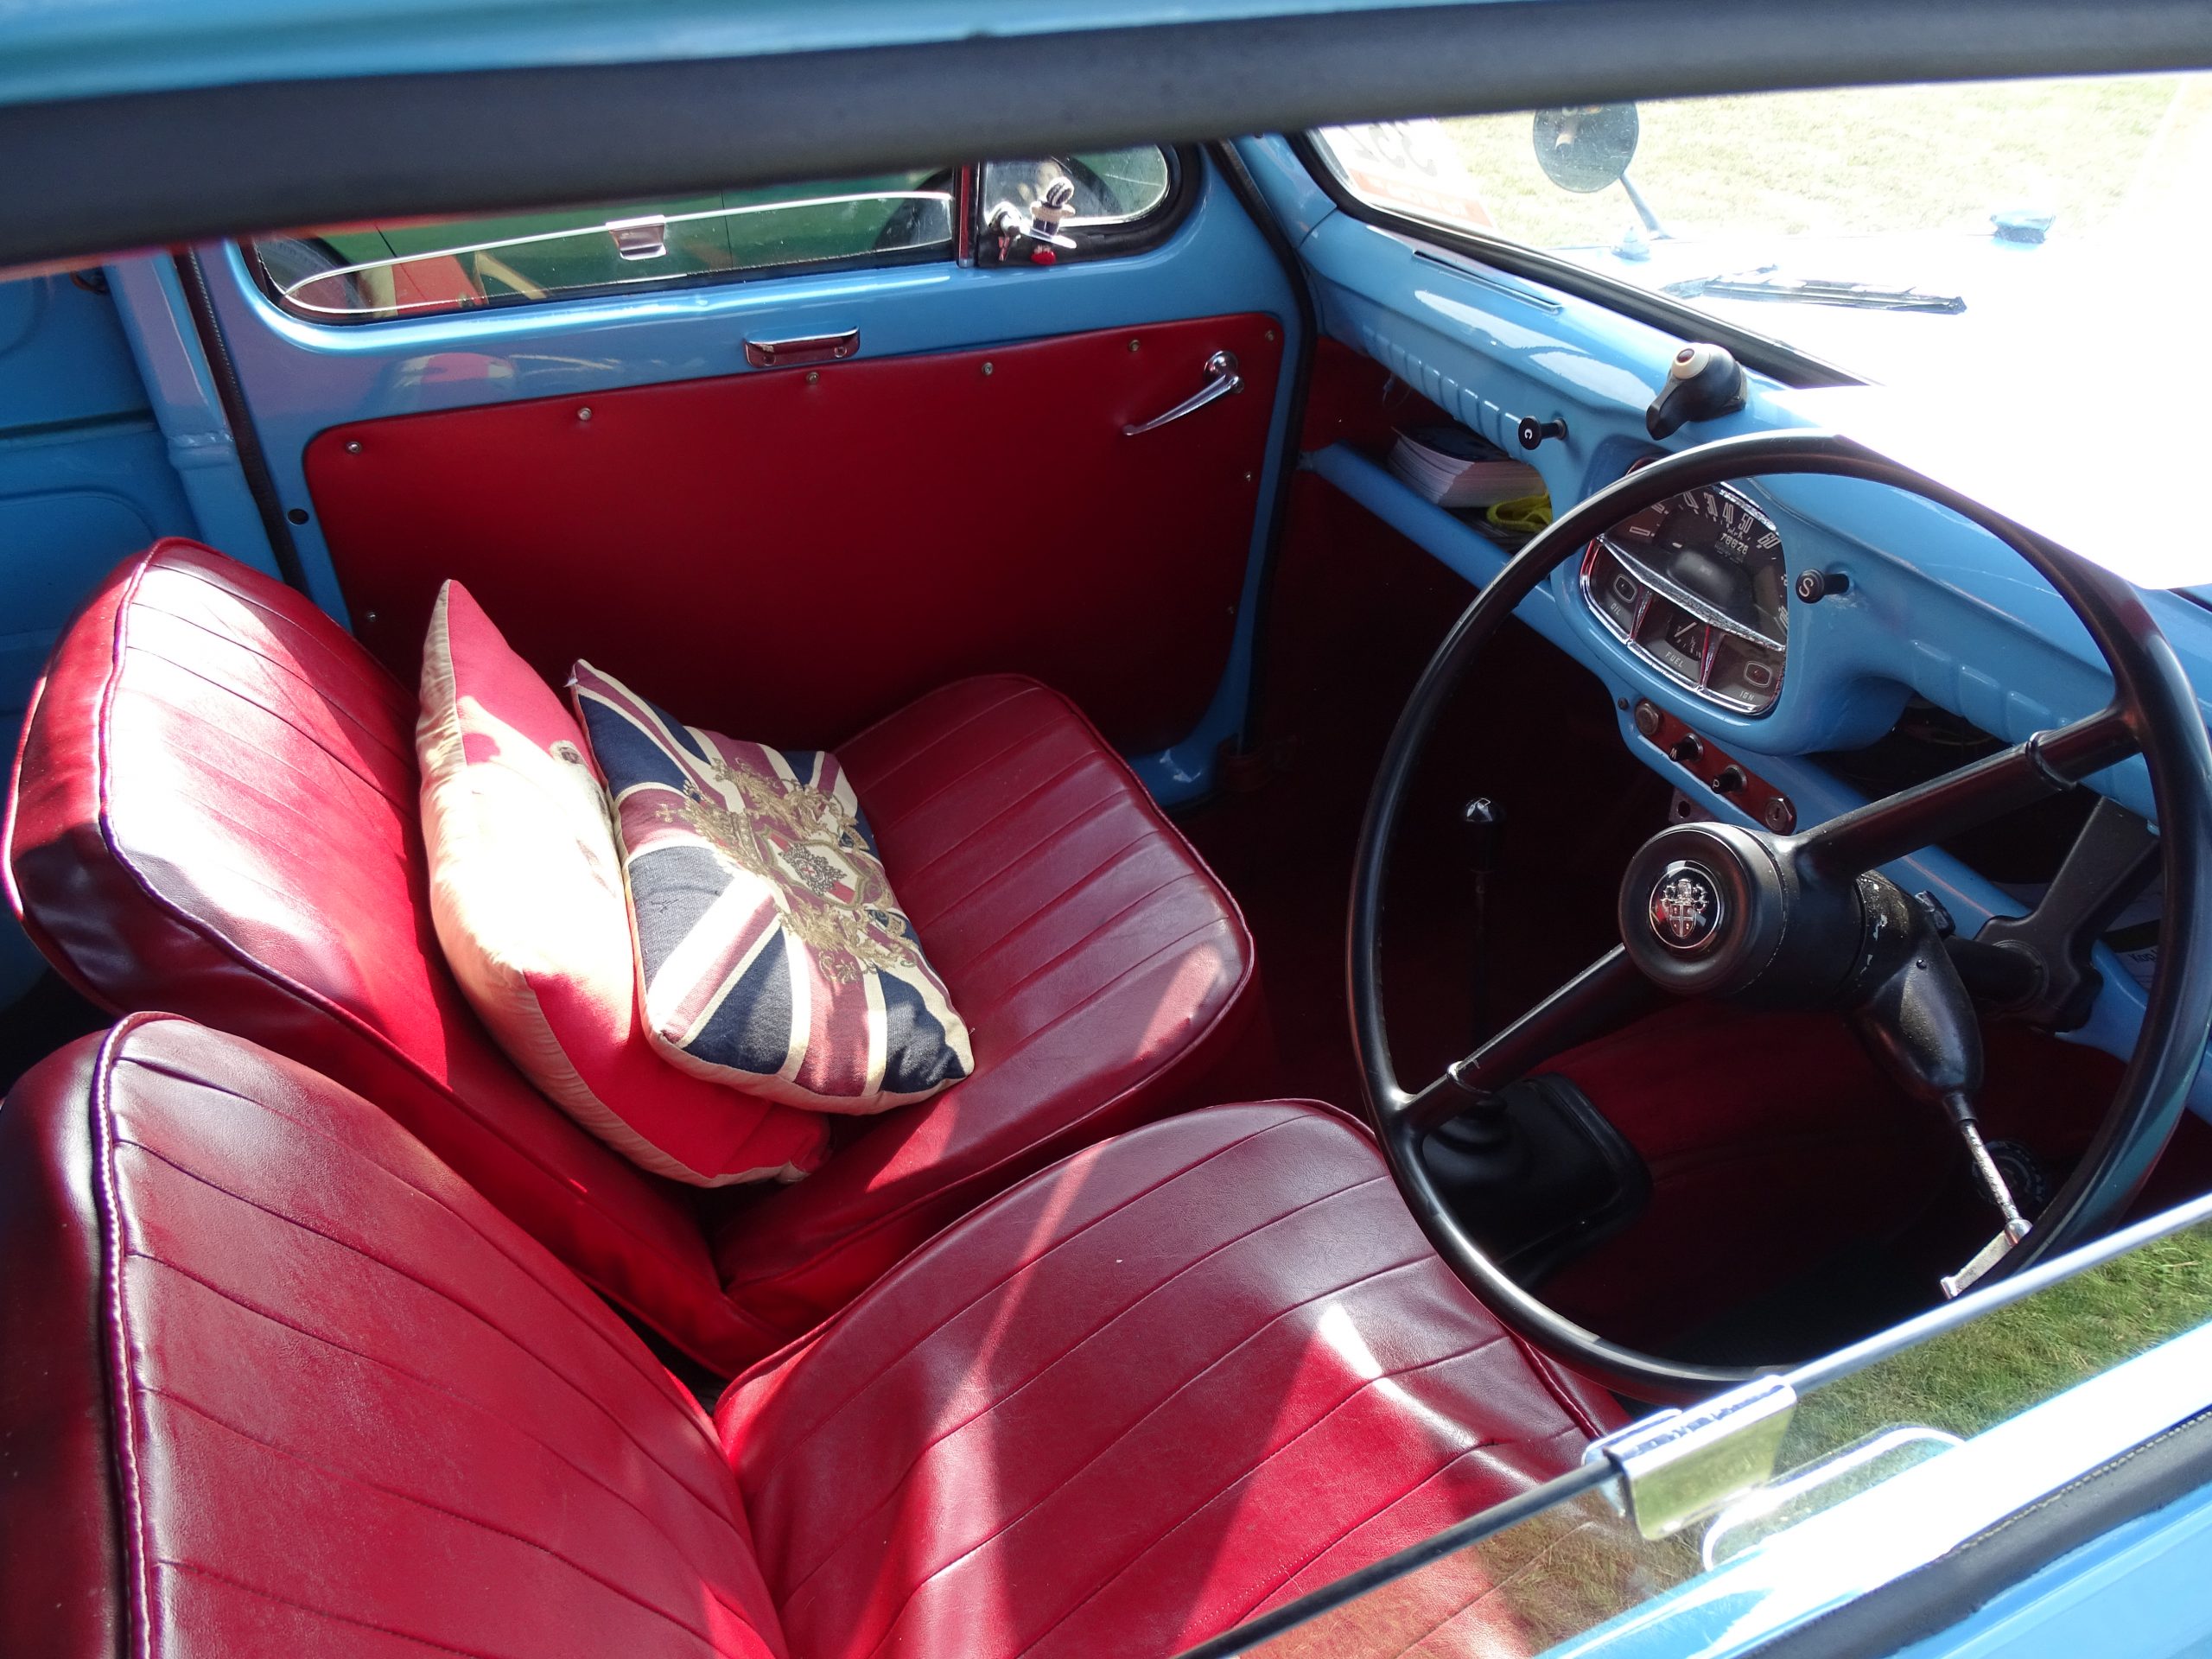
(1437, 977)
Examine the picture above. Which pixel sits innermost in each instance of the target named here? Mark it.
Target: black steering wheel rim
(2154, 704)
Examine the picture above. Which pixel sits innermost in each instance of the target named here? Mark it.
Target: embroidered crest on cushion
(772, 953)
(526, 896)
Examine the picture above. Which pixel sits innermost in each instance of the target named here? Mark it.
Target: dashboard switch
(1813, 586)
(1716, 769)
(1702, 382)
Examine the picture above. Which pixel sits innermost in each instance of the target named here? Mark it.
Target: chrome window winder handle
(1222, 379)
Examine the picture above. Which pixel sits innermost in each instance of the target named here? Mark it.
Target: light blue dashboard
(1935, 607)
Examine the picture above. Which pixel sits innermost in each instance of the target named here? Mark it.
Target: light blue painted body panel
(301, 377)
(83, 481)
(2137, 1591)
(63, 362)
(180, 390)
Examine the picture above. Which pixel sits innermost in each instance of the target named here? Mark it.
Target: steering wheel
(1805, 921)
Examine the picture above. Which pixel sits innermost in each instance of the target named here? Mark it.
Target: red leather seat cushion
(215, 813)
(275, 1382)
(1185, 1375)
(1100, 967)
(314, 1396)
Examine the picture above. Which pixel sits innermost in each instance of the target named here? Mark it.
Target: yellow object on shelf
(1524, 515)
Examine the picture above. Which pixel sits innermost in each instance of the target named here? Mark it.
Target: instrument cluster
(1696, 586)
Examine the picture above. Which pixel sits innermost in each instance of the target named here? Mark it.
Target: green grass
(1861, 161)
(2006, 1361)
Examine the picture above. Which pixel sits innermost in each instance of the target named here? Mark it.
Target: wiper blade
(1760, 284)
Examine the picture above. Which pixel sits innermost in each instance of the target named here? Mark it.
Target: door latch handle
(809, 348)
(1222, 379)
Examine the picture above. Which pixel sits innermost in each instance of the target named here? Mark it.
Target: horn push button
(1704, 909)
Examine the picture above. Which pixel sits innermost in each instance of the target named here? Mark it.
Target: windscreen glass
(1906, 234)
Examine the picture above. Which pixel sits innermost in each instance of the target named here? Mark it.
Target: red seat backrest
(274, 1381)
(215, 814)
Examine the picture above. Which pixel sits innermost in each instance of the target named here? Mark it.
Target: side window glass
(1089, 205)
(382, 271)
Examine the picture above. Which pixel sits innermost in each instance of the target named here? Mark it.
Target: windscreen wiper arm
(1761, 284)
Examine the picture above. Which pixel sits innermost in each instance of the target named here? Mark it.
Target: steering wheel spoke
(2047, 764)
(1603, 996)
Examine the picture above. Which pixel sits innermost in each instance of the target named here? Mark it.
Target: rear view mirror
(1587, 149)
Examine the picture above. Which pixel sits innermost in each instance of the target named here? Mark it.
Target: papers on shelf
(1454, 468)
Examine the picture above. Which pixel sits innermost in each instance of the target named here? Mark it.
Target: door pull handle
(1222, 379)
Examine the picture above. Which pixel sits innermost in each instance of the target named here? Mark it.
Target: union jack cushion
(526, 898)
(772, 954)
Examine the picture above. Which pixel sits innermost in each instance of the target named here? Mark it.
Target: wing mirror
(1589, 147)
(1585, 148)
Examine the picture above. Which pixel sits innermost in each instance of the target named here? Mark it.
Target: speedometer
(1697, 586)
